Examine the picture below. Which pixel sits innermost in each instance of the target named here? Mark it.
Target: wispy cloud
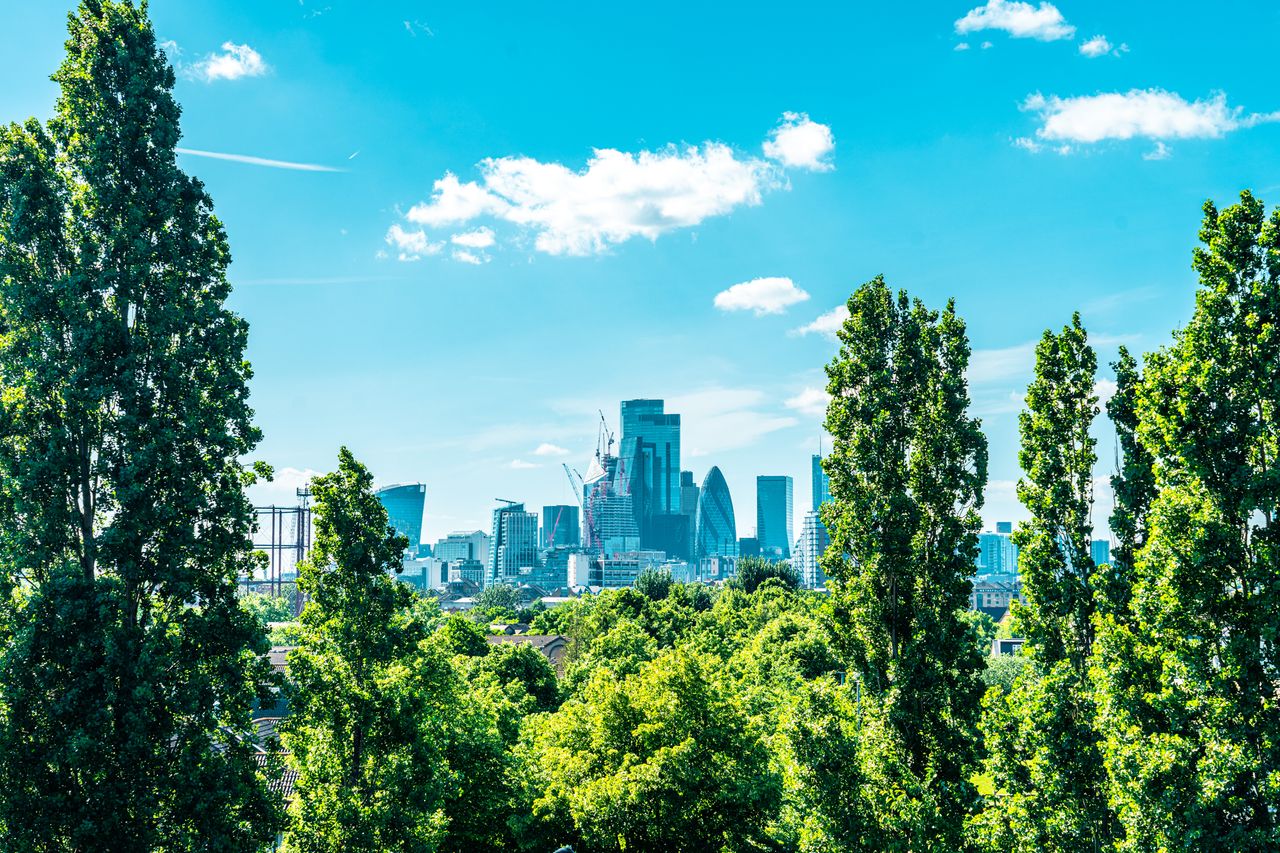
(1153, 114)
(411, 245)
(257, 161)
(234, 62)
(827, 324)
(810, 401)
(1019, 20)
(618, 196)
(1100, 46)
(761, 295)
(521, 465)
(715, 419)
(998, 365)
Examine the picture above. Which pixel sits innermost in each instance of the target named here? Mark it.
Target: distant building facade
(405, 504)
(462, 545)
(749, 546)
(821, 483)
(810, 547)
(774, 509)
(994, 597)
(649, 468)
(716, 531)
(1100, 550)
(513, 545)
(610, 523)
(997, 555)
(560, 526)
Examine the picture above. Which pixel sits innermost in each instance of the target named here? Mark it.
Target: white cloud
(1160, 152)
(995, 365)
(235, 61)
(411, 245)
(256, 161)
(761, 295)
(801, 143)
(468, 257)
(521, 465)
(1144, 113)
(810, 401)
(549, 449)
(1019, 20)
(1104, 390)
(964, 45)
(618, 196)
(1099, 46)
(717, 419)
(283, 488)
(827, 324)
(480, 238)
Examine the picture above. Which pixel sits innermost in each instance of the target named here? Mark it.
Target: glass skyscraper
(773, 516)
(717, 532)
(405, 504)
(513, 545)
(821, 484)
(649, 467)
(560, 526)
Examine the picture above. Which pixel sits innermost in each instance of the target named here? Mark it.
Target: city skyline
(480, 379)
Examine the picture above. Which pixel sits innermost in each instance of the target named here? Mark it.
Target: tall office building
(405, 504)
(463, 545)
(514, 544)
(997, 555)
(1100, 550)
(609, 524)
(821, 484)
(717, 532)
(749, 546)
(560, 526)
(773, 516)
(810, 547)
(689, 509)
(649, 466)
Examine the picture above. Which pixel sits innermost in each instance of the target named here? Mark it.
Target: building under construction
(608, 512)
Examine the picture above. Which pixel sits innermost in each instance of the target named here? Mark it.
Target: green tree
(130, 668)
(661, 760)
(655, 583)
(372, 695)
(460, 636)
(753, 571)
(907, 469)
(1187, 675)
(1045, 762)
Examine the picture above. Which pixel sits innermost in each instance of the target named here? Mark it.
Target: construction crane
(575, 483)
(507, 502)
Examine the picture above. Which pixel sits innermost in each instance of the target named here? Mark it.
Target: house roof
(541, 642)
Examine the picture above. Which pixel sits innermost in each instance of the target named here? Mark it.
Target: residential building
(405, 504)
(1100, 550)
(993, 597)
(773, 516)
(560, 526)
(716, 532)
(514, 544)
(997, 555)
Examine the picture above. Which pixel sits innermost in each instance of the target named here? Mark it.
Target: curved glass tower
(717, 533)
(405, 504)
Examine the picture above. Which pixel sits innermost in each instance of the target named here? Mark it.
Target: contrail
(258, 161)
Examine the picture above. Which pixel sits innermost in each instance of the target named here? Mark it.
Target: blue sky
(614, 170)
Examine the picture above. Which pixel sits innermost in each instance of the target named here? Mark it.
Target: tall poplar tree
(1188, 674)
(907, 469)
(128, 678)
(1044, 758)
(371, 716)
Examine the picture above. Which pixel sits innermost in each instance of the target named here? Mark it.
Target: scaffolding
(284, 534)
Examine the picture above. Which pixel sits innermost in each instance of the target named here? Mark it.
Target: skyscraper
(405, 504)
(560, 526)
(649, 465)
(811, 545)
(821, 484)
(463, 545)
(717, 532)
(1100, 550)
(610, 523)
(514, 544)
(997, 555)
(689, 509)
(773, 516)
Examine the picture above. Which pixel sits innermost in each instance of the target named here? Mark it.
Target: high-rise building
(649, 467)
(810, 547)
(997, 555)
(610, 523)
(689, 509)
(463, 545)
(405, 504)
(716, 531)
(773, 516)
(821, 483)
(1100, 550)
(560, 526)
(514, 544)
(749, 546)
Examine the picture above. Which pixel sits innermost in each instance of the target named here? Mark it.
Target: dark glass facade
(560, 526)
(405, 505)
(717, 532)
(773, 516)
(821, 485)
(649, 470)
